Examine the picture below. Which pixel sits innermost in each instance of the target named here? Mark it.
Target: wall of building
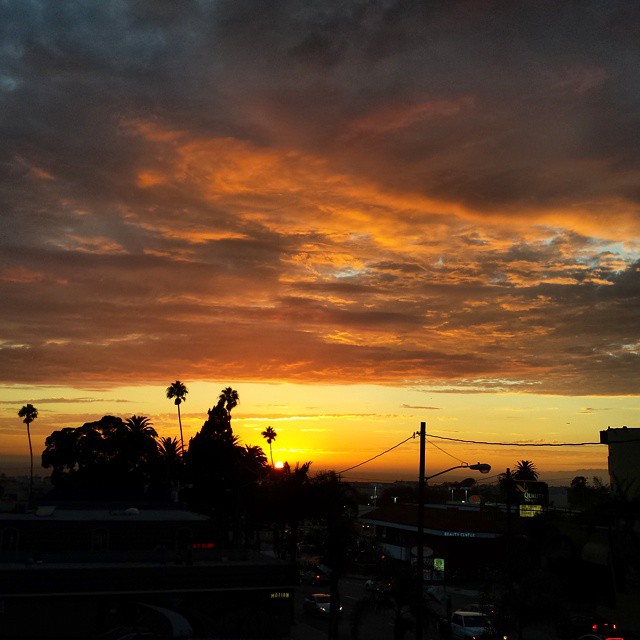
(624, 457)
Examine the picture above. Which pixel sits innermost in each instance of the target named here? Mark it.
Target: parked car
(469, 625)
(318, 604)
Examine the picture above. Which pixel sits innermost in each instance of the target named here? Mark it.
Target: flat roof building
(624, 458)
(97, 572)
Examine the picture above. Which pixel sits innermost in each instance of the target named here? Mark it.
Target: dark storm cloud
(500, 105)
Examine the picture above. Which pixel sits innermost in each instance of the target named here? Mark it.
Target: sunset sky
(359, 214)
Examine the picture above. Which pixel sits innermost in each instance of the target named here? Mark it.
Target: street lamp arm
(482, 468)
(459, 466)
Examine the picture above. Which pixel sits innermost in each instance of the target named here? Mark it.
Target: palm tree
(142, 425)
(290, 503)
(269, 434)
(170, 449)
(170, 453)
(178, 391)
(29, 413)
(141, 437)
(525, 470)
(228, 398)
(253, 459)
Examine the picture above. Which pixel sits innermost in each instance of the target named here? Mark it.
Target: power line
(433, 444)
(395, 446)
(518, 444)
(481, 442)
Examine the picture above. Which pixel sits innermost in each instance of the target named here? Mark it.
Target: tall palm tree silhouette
(269, 434)
(178, 391)
(29, 413)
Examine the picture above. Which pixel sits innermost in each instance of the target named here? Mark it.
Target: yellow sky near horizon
(337, 427)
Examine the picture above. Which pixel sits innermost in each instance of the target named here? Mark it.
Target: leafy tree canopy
(108, 458)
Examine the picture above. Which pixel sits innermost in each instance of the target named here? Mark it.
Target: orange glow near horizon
(366, 420)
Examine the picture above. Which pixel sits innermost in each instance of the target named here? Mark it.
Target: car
(318, 604)
(377, 585)
(469, 625)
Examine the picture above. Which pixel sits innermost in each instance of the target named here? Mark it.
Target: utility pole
(508, 482)
(420, 537)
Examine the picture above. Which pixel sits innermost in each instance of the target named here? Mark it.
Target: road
(374, 626)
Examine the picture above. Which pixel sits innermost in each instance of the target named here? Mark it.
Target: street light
(481, 467)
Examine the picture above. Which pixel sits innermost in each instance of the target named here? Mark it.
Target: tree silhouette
(178, 391)
(525, 470)
(170, 449)
(141, 425)
(213, 460)
(140, 440)
(170, 463)
(333, 503)
(29, 413)
(290, 503)
(269, 434)
(228, 399)
(218, 423)
(104, 459)
(252, 469)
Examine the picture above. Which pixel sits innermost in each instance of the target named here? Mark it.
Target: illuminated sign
(531, 493)
(280, 595)
(530, 510)
(459, 534)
